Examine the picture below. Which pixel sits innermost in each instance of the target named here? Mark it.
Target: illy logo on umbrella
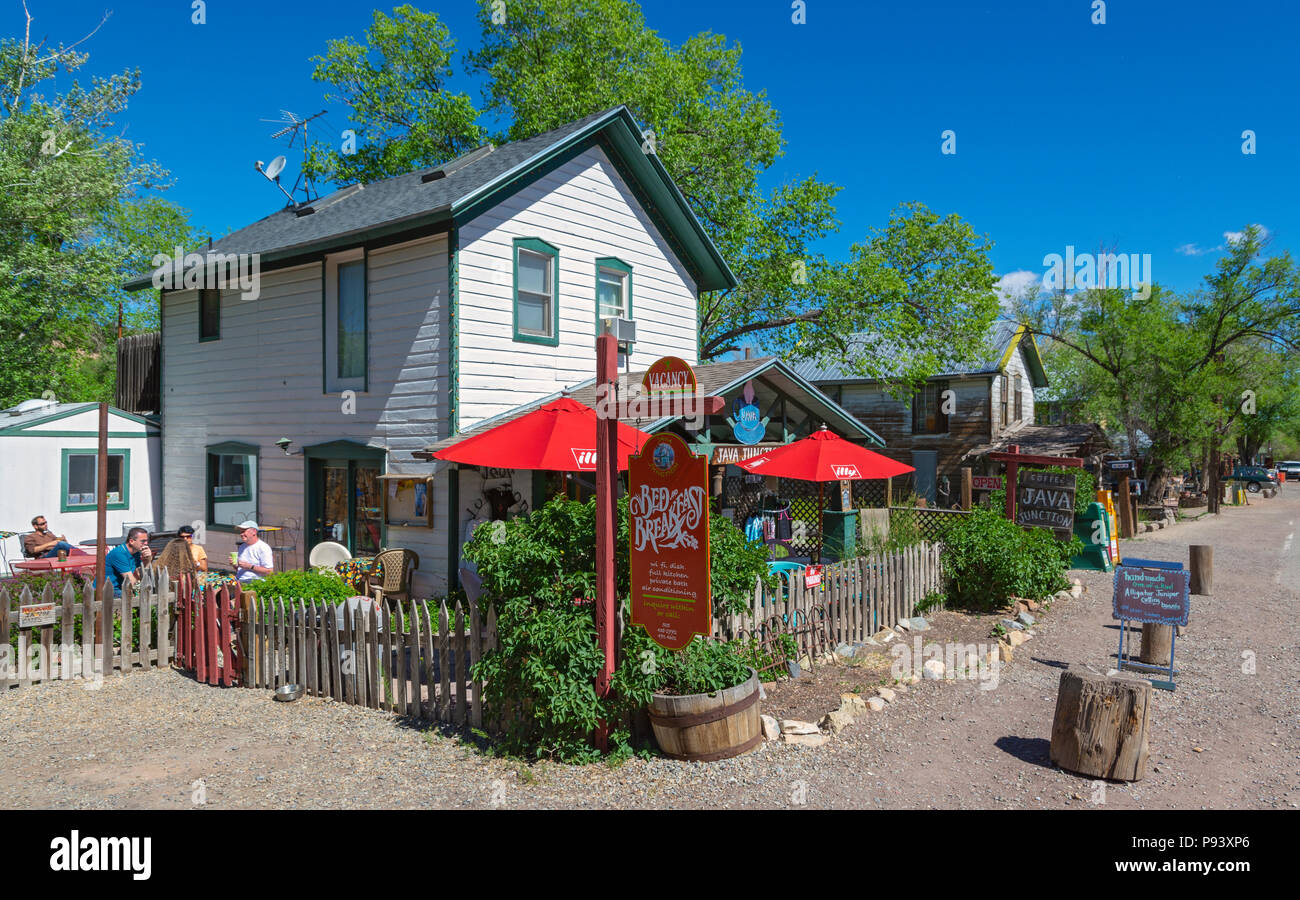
(845, 471)
(585, 459)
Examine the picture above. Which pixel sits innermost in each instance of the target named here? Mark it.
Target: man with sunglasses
(41, 543)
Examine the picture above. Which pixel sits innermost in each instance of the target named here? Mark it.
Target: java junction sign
(668, 527)
(1045, 500)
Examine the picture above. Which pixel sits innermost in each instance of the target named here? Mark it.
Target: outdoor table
(77, 560)
(356, 572)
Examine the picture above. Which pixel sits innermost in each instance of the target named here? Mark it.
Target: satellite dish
(275, 167)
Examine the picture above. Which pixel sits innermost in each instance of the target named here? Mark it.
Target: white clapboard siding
(586, 210)
(262, 381)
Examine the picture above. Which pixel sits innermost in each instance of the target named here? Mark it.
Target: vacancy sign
(668, 525)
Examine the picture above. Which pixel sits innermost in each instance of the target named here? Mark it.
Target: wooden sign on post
(1046, 500)
(668, 527)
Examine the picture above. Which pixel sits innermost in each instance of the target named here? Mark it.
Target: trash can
(840, 528)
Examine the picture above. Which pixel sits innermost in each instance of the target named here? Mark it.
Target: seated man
(125, 560)
(199, 555)
(41, 543)
(254, 558)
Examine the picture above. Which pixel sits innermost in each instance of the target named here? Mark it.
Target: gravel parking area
(1227, 738)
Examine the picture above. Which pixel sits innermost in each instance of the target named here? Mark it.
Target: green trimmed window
(613, 289)
(81, 475)
(536, 292)
(346, 325)
(209, 315)
(231, 483)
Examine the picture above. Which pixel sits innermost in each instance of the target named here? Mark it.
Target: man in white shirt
(255, 559)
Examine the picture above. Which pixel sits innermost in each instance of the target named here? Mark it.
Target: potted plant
(706, 707)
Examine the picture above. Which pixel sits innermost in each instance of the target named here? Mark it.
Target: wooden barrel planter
(708, 727)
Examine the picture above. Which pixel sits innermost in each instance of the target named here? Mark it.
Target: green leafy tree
(79, 213)
(923, 283)
(395, 86)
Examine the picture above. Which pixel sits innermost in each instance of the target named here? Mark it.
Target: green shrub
(539, 573)
(306, 586)
(989, 559)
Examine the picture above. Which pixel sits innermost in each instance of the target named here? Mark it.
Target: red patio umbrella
(824, 456)
(559, 436)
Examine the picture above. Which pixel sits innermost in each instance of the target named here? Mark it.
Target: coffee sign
(668, 527)
(1045, 500)
(1147, 593)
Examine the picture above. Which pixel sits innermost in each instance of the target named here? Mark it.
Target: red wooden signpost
(668, 525)
(676, 390)
(1014, 458)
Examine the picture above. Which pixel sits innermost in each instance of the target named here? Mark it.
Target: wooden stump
(1100, 728)
(1157, 641)
(1202, 557)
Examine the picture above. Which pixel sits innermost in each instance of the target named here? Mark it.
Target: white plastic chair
(328, 554)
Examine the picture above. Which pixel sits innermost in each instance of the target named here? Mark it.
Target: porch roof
(715, 379)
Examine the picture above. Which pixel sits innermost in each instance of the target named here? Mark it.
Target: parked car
(1254, 477)
(1290, 466)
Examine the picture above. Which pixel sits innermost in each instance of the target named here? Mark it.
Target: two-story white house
(393, 315)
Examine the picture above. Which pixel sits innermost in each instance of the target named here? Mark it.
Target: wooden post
(1157, 642)
(606, 522)
(1125, 505)
(1100, 726)
(101, 506)
(889, 492)
(1012, 469)
(966, 501)
(1202, 581)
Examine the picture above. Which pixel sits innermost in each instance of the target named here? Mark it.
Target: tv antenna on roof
(293, 126)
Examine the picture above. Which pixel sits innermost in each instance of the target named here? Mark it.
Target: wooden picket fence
(856, 598)
(207, 631)
(66, 649)
(403, 658)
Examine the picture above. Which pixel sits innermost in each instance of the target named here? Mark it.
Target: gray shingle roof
(832, 370)
(358, 212)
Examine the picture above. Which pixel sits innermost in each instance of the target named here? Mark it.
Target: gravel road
(1226, 738)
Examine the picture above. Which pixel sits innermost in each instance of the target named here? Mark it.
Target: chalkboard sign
(1150, 594)
(1045, 500)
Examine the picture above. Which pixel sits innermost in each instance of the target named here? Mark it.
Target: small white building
(48, 461)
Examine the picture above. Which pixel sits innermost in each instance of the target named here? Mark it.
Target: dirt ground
(1228, 737)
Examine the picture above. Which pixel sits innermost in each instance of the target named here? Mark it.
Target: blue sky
(1126, 134)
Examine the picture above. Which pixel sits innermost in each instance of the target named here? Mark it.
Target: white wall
(263, 380)
(31, 469)
(1015, 366)
(585, 209)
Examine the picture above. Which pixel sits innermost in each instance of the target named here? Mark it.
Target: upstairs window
(537, 298)
(1006, 388)
(613, 290)
(1020, 409)
(346, 338)
(209, 316)
(928, 416)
